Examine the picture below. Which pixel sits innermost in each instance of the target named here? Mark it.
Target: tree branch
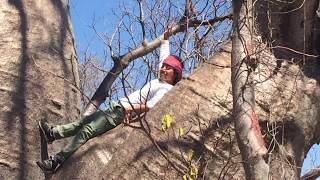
(312, 174)
(123, 61)
(144, 42)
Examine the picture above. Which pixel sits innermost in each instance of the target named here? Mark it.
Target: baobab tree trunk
(39, 80)
(287, 107)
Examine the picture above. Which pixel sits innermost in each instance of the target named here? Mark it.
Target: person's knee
(88, 131)
(115, 114)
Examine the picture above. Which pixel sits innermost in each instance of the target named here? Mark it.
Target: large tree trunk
(287, 99)
(287, 110)
(39, 80)
(36, 50)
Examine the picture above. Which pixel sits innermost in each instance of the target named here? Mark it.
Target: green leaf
(185, 177)
(181, 131)
(190, 154)
(166, 122)
(193, 170)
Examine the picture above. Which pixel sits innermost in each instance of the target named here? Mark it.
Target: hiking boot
(46, 131)
(51, 165)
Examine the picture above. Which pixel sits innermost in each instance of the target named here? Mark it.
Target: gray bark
(39, 80)
(243, 67)
(287, 106)
(202, 104)
(120, 63)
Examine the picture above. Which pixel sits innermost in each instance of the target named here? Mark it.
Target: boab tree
(281, 60)
(39, 80)
(286, 93)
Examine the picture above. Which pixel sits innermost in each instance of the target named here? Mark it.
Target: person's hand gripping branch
(168, 32)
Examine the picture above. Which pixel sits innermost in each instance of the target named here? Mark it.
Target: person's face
(167, 74)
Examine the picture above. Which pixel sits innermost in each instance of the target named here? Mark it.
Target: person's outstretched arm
(164, 47)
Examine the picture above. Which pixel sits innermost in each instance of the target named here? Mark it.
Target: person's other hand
(128, 117)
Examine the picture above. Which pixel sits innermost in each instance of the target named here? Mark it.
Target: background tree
(243, 65)
(39, 80)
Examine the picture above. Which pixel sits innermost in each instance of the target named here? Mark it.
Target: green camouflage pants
(89, 127)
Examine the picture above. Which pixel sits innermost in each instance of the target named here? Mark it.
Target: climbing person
(140, 101)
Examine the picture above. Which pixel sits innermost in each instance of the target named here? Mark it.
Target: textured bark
(122, 62)
(126, 153)
(287, 107)
(287, 99)
(243, 66)
(290, 24)
(36, 52)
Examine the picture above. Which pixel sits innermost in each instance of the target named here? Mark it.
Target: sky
(84, 13)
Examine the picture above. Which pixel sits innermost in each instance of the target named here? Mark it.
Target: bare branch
(124, 60)
(312, 174)
(141, 20)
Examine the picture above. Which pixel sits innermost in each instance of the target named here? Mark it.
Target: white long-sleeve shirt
(154, 90)
(164, 52)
